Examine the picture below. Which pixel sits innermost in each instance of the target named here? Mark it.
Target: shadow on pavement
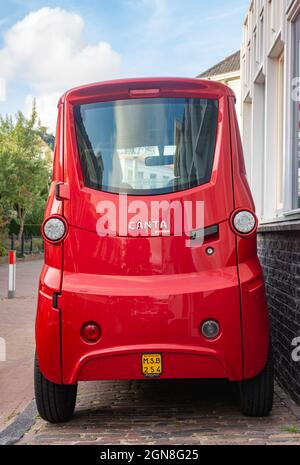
(159, 398)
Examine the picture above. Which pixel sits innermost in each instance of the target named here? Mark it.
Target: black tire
(55, 402)
(256, 394)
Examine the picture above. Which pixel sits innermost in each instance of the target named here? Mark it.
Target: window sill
(293, 213)
(280, 225)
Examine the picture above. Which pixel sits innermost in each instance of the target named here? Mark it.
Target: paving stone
(205, 412)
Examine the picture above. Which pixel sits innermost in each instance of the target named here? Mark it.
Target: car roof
(164, 85)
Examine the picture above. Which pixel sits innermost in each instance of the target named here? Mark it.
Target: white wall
(232, 80)
(235, 85)
(267, 105)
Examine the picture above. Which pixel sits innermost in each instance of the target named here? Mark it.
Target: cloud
(46, 105)
(181, 40)
(2, 90)
(48, 52)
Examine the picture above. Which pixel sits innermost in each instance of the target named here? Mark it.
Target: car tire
(55, 402)
(256, 394)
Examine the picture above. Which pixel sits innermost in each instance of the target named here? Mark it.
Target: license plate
(152, 365)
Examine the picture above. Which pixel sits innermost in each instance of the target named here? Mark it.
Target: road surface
(17, 328)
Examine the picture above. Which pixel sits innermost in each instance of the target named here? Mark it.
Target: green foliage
(24, 169)
(36, 215)
(49, 139)
(3, 251)
(14, 227)
(32, 229)
(29, 229)
(4, 220)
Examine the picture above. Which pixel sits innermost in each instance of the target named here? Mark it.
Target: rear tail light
(244, 222)
(54, 229)
(90, 332)
(137, 92)
(210, 329)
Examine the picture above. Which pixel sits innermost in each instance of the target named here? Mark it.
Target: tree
(24, 170)
(48, 138)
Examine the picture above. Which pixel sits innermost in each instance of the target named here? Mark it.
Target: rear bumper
(150, 314)
(177, 362)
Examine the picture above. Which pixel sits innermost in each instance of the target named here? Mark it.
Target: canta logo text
(161, 225)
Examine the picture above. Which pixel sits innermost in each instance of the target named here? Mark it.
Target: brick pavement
(165, 412)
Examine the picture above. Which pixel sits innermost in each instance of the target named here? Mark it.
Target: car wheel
(55, 402)
(256, 394)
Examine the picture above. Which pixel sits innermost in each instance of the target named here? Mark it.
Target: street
(127, 412)
(17, 328)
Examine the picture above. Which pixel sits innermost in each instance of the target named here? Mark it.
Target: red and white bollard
(11, 274)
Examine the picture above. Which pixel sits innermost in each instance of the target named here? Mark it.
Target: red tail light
(54, 229)
(143, 92)
(90, 332)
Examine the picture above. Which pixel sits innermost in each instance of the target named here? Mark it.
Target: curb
(16, 430)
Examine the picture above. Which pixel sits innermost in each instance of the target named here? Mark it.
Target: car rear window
(147, 146)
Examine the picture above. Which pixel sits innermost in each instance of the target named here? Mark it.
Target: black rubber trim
(55, 300)
(208, 232)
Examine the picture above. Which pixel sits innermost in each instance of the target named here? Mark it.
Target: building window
(261, 38)
(250, 22)
(273, 16)
(244, 72)
(256, 49)
(153, 179)
(248, 66)
(296, 116)
(280, 120)
(246, 32)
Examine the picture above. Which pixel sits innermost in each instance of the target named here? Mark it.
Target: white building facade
(227, 72)
(270, 82)
(269, 66)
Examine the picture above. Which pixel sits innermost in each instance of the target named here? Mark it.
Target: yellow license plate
(151, 365)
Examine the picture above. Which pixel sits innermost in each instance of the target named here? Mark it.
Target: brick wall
(279, 253)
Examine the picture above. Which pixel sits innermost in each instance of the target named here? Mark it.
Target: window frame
(280, 132)
(295, 110)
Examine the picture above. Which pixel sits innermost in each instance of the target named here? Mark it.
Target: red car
(151, 267)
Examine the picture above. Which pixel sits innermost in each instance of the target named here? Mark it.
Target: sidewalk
(17, 327)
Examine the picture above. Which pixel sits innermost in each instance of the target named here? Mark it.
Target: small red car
(133, 287)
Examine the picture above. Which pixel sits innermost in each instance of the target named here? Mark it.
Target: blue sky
(92, 40)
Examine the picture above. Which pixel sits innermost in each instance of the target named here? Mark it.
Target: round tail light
(244, 222)
(210, 329)
(90, 332)
(54, 229)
